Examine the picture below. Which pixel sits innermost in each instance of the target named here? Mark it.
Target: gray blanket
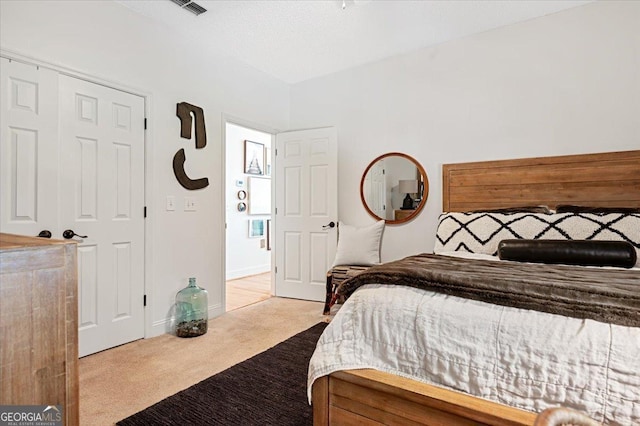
(601, 294)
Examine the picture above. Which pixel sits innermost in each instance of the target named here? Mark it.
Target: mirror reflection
(394, 187)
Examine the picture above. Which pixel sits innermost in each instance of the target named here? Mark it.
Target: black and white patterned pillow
(481, 232)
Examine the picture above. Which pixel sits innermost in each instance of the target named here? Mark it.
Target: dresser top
(11, 241)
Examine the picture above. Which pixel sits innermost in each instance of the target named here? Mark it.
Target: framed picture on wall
(253, 158)
(256, 228)
(267, 161)
(268, 234)
(259, 195)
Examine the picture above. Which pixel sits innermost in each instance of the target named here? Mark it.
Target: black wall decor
(183, 111)
(181, 175)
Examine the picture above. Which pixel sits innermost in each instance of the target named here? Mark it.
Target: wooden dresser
(38, 323)
(402, 214)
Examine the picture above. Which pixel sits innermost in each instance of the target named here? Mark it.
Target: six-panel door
(306, 202)
(72, 156)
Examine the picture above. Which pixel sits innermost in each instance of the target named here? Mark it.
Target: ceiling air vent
(191, 6)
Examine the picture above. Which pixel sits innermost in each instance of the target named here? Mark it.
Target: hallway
(248, 290)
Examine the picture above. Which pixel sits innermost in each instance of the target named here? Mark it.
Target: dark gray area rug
(267, 389)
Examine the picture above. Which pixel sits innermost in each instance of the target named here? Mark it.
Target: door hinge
(144, 300)
(145, 123)
(383, 171)
(276, 269)
(276, 152)
(145, 211)
(276, 210)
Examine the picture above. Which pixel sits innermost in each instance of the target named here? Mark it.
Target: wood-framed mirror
(394, 188)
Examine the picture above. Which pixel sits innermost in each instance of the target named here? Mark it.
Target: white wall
(109, 41)
(561, 84)
(245, 256)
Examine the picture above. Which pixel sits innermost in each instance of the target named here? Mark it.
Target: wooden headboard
(607, 179)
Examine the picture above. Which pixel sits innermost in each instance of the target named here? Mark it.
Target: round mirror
(394, 188)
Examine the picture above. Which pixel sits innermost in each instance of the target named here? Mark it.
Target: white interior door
(102, 198)
(306, 196)
(375, 193)
(72, 157)
(29, 148)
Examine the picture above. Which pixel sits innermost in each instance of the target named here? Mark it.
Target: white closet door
(102, 198)
(28, 148)
(306, 201)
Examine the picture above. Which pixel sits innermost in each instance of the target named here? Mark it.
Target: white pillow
(359, 246)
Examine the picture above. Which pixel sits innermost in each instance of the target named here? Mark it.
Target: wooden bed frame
(370, 397)
(600, 180)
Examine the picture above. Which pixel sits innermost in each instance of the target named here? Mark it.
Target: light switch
(171, 203)
(190, 204)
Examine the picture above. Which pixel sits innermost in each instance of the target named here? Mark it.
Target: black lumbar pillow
(567, 208)
(569, 252)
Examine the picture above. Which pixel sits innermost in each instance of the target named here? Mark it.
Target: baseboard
(254, 270)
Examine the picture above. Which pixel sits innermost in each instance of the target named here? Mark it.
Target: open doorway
(248, 174)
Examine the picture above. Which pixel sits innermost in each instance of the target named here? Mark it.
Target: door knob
(329, 225)
(45, 234)
(68, 234)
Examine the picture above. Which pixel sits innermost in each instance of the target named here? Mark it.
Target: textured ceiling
(298, 40)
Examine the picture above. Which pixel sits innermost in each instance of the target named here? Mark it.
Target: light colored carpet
(119, 382)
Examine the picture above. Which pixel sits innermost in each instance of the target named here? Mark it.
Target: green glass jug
(191, 310)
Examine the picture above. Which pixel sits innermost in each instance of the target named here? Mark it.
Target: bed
(353, 394)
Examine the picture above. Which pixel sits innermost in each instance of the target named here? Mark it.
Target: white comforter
(522, 358)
